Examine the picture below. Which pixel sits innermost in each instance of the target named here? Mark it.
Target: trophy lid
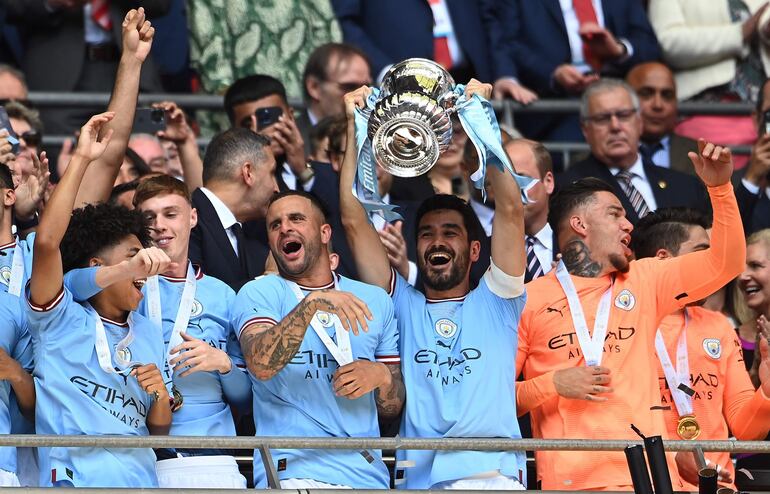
(418, 75)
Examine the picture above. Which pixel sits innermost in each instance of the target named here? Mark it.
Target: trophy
(410, 124)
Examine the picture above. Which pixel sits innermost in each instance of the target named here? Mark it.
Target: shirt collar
(545, 237)
(637, 169)
(226, 217)
(311, 117)
(485, 214)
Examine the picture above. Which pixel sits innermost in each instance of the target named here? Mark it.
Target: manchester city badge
(713, 347)
(446, 328)
(625, 300)
(325, 319)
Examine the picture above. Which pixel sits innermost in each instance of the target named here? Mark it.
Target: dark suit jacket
(55, 41)
(372, 26)
(538, 38)
(754, 208)
(670, 187)
(210, 247)
(679, 146)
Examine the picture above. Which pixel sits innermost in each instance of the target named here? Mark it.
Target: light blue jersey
(206, 395)
(299, 400)
(17, 343)
(459, 368)
(75, 396)
(6, 260)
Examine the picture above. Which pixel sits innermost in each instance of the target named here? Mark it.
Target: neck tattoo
(577, 259)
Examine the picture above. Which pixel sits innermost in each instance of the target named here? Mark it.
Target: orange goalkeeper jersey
(724, 398)
(649, 291)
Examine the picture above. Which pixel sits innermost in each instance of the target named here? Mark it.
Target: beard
(447, 280)
(312, 254)
(620, 262)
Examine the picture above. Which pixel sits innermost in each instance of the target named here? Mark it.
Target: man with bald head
(655, 86)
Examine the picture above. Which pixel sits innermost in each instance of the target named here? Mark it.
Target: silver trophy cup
(410, 125)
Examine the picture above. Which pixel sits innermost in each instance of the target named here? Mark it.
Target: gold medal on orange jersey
(688, 427)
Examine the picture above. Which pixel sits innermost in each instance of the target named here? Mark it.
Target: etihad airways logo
(120, 404)
(450, 369)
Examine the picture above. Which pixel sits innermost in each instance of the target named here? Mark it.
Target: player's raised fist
(713, 164)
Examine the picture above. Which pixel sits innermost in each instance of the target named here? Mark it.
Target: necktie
(100, 14)
(634, 196)
(534, 268)
(648, 151)
(584, 10)
(441, 54)
(238, 231)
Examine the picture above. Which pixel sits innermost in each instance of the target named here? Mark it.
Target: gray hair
(13, 71)
(228, 150)
(604, 86)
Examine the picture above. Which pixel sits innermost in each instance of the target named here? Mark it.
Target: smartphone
(267, 116)
(5, 123)
(766, 122)
(149, 121)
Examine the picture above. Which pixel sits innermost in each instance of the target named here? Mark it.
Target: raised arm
(101, 175)
(370, 256)
(47, 273)
(179, 131)
(267, 347)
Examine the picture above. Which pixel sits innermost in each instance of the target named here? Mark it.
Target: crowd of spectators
(225, 208)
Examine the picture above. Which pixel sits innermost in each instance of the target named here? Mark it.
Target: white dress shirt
(662, 157)
(639, 180)
(572, 24)
(226, 217)
(544, 247)
(485, 214)
(291, 180)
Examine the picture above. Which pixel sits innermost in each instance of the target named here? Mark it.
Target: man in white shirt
(612, 126)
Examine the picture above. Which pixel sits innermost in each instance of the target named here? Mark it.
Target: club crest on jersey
(325, 319)
(197, 308)
(124, 354)
(5, 275)
(446, 328)
(713, 347)
(625, 300)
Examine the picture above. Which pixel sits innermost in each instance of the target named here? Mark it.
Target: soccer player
(591, 323)
(97, 363)
(310, 376)
(15, 369)
(15, 253)
(699, 349)
(202, 351)
(458, 345)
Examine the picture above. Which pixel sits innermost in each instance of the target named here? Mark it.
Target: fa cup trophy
(410, 124)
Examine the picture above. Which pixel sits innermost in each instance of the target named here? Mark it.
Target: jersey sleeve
(691, 277)
(387, 347)
(259, 301)
(60, 315)
(81, 283)
(23, 349)
(232, 347)
(507, 310)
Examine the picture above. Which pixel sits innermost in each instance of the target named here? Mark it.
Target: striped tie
(633, 194)
(100, 14)
(534, 269)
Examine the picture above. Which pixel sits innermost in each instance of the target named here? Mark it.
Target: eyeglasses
(32, 138)
(604, 119)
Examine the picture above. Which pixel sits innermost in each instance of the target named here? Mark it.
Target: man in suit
(238, 181)
(752, 184)
(455, 33)
(332, 70)
(654, 85)
(612, 126)
(559, 47)
(74, 45)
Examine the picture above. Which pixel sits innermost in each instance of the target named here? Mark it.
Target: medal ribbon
(681, 375)
(102, 346)
(592, 346)
(17, 271)
(183, 314)
(341, 351)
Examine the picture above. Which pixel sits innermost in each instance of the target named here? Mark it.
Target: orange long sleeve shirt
(649, 291)
(724, 399)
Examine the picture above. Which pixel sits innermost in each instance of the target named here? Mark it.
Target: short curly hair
(94, 228)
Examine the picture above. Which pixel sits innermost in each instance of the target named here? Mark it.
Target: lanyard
(341, 351)
(680, 375)
(102, 346)
(591, 346)
(17, 271)
(183, 313)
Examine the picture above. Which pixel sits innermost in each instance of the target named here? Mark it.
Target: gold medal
(177, 401)
(688, 427)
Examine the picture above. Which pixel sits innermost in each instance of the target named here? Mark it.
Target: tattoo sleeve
(391, 400)
(267, 349)
(577, 259)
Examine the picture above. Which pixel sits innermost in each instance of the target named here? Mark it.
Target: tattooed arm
(577, 259)
(390, 400)
(267, 348)
(358, 378)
